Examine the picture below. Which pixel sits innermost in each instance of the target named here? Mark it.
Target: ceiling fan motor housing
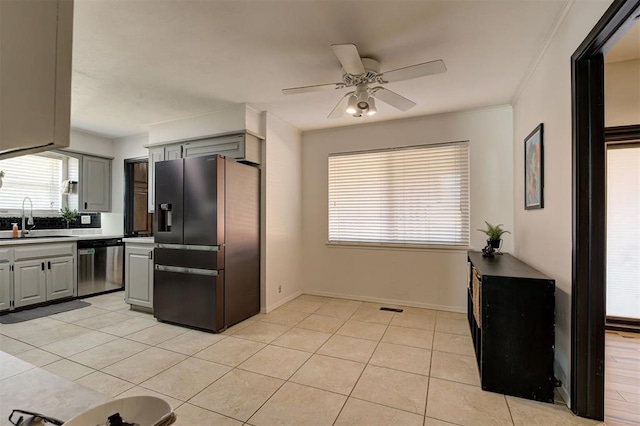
(371, 72)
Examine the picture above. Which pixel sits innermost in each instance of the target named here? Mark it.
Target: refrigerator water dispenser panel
(164, 217)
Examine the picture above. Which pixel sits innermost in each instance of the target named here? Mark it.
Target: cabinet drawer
(5, 255)
(36, 251)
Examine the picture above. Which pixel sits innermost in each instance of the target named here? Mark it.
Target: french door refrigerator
(207, 235)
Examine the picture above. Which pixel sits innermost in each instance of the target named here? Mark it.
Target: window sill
(401, 247)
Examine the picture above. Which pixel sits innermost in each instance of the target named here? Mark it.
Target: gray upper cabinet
(244, 147)
(173, 152)
(35, 75)
(95, 183)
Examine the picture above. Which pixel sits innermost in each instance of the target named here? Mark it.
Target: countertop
(139, 240)
(50, 237)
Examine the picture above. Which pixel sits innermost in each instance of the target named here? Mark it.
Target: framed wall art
(534, 170)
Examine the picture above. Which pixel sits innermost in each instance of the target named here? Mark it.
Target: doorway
(138, 222)
(623, 233)
(589, 209)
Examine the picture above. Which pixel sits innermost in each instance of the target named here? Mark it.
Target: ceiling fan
(361, 73)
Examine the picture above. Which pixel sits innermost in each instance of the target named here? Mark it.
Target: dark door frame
(588, 291)
(128, 192)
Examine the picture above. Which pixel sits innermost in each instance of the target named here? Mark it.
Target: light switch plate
(85, 220)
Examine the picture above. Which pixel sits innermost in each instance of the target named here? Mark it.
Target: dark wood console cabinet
(511, 311)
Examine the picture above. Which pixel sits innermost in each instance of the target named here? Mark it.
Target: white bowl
(143, 410)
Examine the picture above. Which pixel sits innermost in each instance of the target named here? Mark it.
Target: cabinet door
(5, 286)
(230, 146)
(173, 152)
(96, 184)
(35, 87)
(155, 155)
(139, 276)
(60, 277)
(29, 282)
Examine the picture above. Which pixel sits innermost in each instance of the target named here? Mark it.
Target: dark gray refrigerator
(207, 235)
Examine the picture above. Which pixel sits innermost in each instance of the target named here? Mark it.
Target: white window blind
(417, 195)
(35, 176)
(73, 173)
(623, 232)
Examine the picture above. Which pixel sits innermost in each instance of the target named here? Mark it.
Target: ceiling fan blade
(340, 108)
(414, 71)
(315, 88)
(393, 99)
(349, 58)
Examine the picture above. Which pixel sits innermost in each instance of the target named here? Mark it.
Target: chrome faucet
(25, 231)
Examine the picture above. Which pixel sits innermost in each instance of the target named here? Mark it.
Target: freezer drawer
(189, 298)
(198, 257)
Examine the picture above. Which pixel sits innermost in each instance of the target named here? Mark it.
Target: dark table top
(504, 265)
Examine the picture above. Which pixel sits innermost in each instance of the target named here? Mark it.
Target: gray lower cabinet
(60, 277)
(5, 286)
(30, 281)
(138, 279)
(43, 272)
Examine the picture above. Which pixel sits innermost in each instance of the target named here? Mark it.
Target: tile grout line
(288, 380)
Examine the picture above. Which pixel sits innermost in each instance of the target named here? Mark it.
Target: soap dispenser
(15, 230)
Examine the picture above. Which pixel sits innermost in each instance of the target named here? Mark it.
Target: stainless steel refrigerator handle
(188, 247)
(192, 271)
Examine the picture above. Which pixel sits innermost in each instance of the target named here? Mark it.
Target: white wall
(89, 143)
(622, 93)
(282, 213)
(543, 237)
(428, 278)
(123, 148)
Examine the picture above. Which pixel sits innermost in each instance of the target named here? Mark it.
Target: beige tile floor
(313, 361)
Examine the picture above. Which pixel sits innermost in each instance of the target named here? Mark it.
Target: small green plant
(68, 215)
(494, 232)
(1, 174)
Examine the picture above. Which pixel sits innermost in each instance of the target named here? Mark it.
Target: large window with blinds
(405, 196)
(623, 231)
(37, 176)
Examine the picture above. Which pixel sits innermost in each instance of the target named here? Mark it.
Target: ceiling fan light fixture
(363, 97)
(352, 106)
(372, 106)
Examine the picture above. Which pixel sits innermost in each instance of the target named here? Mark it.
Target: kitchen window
(38, 177)
(405, 196)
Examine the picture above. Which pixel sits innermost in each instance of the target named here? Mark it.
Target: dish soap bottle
(15, 230)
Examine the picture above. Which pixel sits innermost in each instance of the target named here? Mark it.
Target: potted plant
(494, 233)
(1, 176)
(68, 215)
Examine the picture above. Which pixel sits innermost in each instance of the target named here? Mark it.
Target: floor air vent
(384, 308)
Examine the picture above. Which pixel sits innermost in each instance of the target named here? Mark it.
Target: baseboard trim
(564, 393)
(387, 301)
(267, 309)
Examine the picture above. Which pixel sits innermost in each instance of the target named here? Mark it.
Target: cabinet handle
(85, 205)
(42, 266)
(49, 265)
(151, 255)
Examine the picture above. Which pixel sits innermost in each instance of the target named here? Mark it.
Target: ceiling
(140, 62)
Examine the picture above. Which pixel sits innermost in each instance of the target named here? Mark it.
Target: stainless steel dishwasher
(100, 266)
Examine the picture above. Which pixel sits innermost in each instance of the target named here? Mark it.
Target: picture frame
(534, 169)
